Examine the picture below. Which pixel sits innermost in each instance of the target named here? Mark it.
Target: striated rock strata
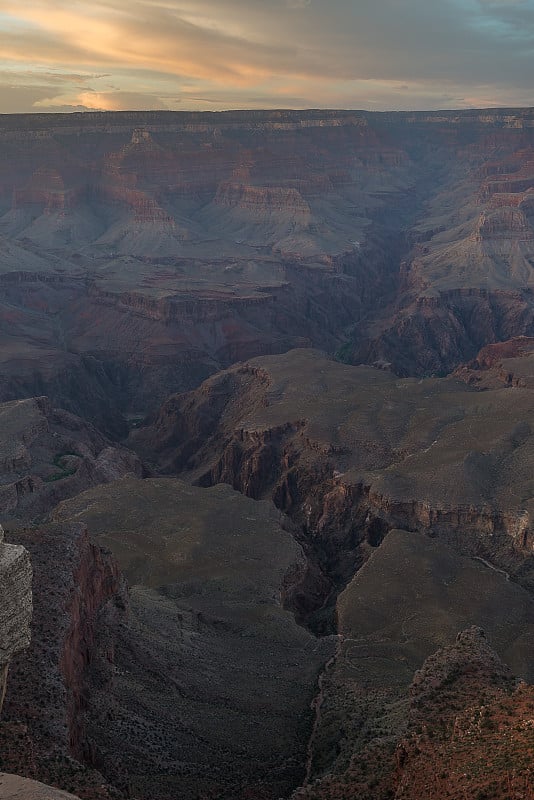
(139, 254)
(467, 279)
(42, 733)
(253, 220)
(15, 605)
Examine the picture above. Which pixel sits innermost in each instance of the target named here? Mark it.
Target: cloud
(233, 53)
(101, 101)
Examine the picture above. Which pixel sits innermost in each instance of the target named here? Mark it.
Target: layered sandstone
(42, 733)
(15, 605)
(240, 228)
(206, 216)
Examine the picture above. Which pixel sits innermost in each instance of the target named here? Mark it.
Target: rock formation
(509, 363)
(198, 240)
(15, 605)
(140, 253)
(379, 732)
(13, 787)
(212, 678)
(47, 454)
(349, 453)
(42, 735)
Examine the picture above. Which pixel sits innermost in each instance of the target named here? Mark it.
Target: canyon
(267, 440)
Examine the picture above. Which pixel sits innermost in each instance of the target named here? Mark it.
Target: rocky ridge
(350, 453)
(467, 732)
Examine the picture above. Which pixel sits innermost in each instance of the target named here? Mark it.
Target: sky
(82, 55)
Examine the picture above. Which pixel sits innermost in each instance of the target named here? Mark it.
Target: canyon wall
(140, 252)
(15, 605)
(42, 734)
(351, 453)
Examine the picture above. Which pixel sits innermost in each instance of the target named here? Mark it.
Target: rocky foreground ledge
(13, 787)
(15, 605)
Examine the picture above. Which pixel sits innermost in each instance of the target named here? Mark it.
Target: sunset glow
(178, 54)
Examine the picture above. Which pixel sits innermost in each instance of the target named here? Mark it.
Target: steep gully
(338, 524)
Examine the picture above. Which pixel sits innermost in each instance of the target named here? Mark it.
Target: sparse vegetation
(65, 471)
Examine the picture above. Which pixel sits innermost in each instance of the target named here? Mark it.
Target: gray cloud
(231, 53)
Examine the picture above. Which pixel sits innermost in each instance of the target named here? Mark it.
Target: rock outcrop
(15, 605)
(462, 723)
(470, 726)
(13, 787)
(42, 733)
(509, 363)
(47, 454)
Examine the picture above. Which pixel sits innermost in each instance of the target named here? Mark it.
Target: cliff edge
(13, 787)
(15, 605)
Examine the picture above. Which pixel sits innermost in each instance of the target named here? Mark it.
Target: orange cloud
(238, 53)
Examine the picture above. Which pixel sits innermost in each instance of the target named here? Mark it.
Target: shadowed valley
(267, 413)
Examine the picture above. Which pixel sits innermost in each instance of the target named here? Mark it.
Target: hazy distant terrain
(266, 406)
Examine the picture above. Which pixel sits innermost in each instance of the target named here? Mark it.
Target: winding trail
(495, 569)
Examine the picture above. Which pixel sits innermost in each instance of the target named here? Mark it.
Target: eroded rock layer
(350, 453)
(212, 678)
(15, 605)
(42, 732)
(140, 252)
(47, 454)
